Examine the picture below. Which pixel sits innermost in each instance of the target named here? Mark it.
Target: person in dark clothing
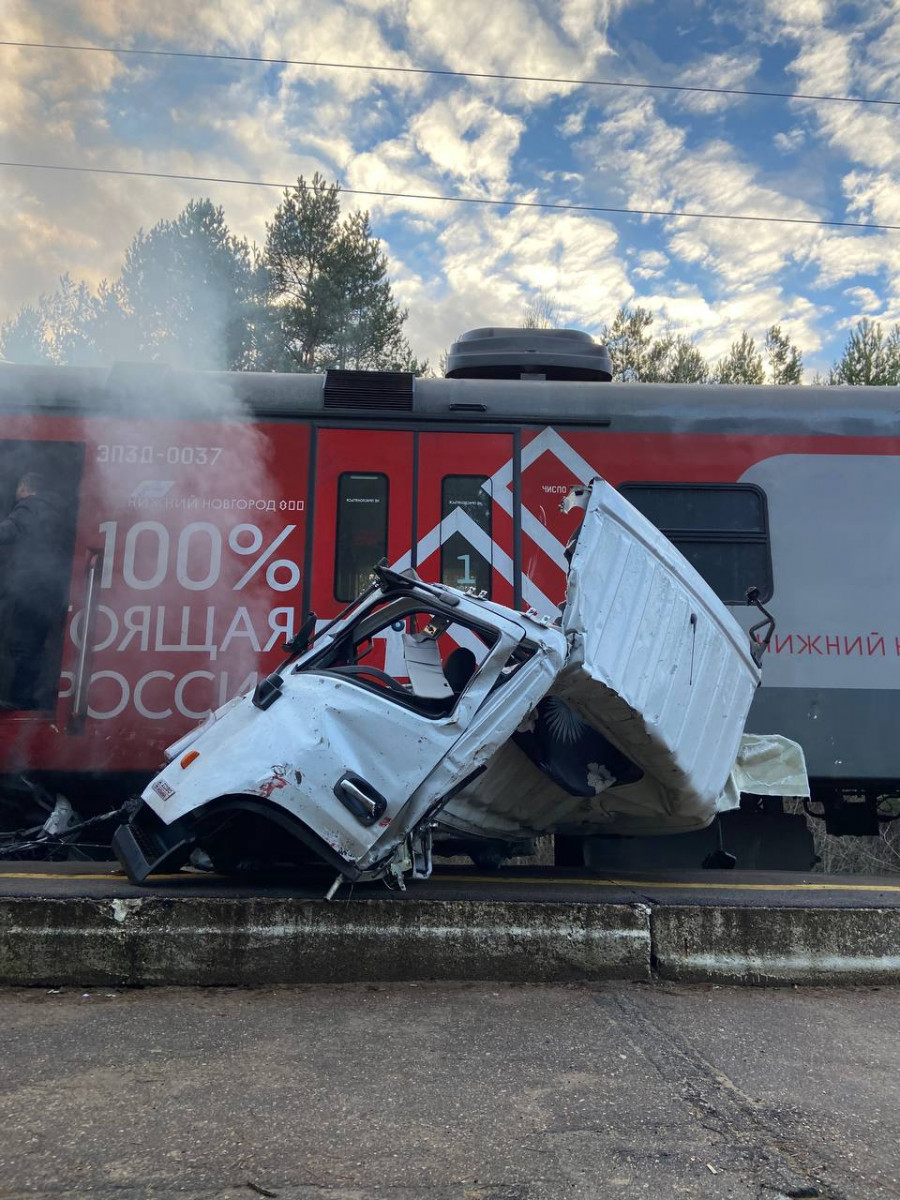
(32, 584)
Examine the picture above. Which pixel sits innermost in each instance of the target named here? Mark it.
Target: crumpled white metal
(657, 664)
(655, 658)
(329, 726)
(625, 716)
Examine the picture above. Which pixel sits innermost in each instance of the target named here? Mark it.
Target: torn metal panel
(643, 725)
(656, 663)
(517, 798)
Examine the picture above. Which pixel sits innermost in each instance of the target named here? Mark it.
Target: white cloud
(515, 37)
(864, 298)
(492, 263)
(799, 15)
(467, 138)
(651, 265)
(873, 196)
(395, 166)
(715, 325)
(790, 141)
(862, 59)
(716, 71)
(660, 170)
(574, 122)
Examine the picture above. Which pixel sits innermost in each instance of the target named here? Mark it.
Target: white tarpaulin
(767, 765)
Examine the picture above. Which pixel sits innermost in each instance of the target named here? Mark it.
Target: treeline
(190, 292)
(642, 354)
(638, 353)
(318, 296)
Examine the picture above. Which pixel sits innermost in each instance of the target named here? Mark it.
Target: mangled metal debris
(643, 726)
(337, 752)
(624, 715)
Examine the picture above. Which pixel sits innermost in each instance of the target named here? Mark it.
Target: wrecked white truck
(623, 715)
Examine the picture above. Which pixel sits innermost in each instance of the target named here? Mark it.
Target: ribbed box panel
(658, 663)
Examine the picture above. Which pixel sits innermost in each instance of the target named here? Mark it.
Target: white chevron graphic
(499, 488)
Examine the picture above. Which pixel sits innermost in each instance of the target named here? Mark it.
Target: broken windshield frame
(423, 619)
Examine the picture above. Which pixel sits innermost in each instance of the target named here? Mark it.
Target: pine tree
(685, 363)
(634, 352)
(300, 261)
(742, 364)
(112, 335)
(369, 322)
(869, 357)
(639, 355)
(57, 330)
(23, 337)
(187, 291)
(329, 280)
(192, 294)
(69, 316)
(784, 359)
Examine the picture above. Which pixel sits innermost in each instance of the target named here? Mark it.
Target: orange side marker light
(189, 758)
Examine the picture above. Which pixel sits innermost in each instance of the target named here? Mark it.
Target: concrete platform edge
(246, 942)
(240, 941)
(776, 946)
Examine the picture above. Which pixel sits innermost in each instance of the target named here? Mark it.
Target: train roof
(155, 390)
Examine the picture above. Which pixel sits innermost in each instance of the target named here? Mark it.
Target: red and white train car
(208, 513)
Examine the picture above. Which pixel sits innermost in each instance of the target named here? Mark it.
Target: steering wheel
(376, 673)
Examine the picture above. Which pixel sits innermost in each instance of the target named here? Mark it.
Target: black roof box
(528, 353)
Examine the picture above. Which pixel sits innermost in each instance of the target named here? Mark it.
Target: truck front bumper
(147, 846)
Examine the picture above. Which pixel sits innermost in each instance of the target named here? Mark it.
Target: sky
(456, 267)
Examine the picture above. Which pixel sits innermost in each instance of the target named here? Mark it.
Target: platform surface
(545, 885)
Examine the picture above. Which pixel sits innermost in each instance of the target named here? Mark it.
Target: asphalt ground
(548, 885)
(450, 1092)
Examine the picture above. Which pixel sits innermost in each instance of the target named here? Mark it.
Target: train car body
(208, 513)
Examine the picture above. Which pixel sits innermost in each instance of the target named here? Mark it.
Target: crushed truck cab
(622, 714)
(347, 757)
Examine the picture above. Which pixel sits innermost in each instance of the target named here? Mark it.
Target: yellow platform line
(628, 884)
(665, 885)
(115, 877)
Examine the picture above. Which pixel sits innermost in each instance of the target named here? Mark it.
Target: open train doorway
(39, 487)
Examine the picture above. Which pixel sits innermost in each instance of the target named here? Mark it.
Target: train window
(463, 565)
(39, 483)
(721, 529)
(362, 531)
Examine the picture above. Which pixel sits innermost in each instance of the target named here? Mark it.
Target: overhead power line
(496, 75)
(495, 202)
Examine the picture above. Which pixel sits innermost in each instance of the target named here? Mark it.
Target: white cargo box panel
(656, 662)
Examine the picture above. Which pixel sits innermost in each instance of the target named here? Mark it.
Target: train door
(363, 510)
(39, 490)
(464, 512)
(439, 502)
